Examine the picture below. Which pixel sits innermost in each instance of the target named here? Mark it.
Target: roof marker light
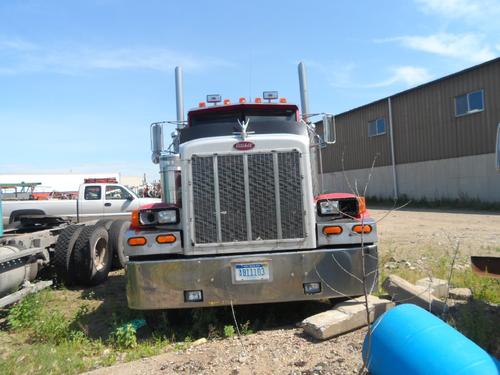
(282, 100)
(214, 98)
(242, 100)
(270, 95)
(227, 101)
(202, 104)
(258, 100)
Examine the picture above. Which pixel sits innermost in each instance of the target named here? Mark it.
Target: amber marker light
(332, 230)
(227, 101)
(202, 104)
(258, 100)
(242, 100)
(282, 100)
(137, 241)
(165, 238)
(134, 220)
(362, 228)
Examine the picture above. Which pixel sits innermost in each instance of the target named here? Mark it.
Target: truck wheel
(116, 242)
(92, 255)
(64, 261)
(106, 223)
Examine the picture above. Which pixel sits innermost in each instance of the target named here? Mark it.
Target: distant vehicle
(95, 201)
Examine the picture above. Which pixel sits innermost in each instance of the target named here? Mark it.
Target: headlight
(329, 207)
(167, 217)
(339, 207)
(152, 217)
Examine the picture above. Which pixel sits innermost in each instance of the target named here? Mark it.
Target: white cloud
(469, 10)
(407, 75)
(342, 76)
(450, 8)
(468, 47)
(24, 56)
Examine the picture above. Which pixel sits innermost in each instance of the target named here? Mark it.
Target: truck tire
(64, 261)
(92, 255)
(116, 242)
(106, 223)
(16, 215)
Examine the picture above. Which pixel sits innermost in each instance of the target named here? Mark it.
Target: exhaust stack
(179, 96)
(304, 95)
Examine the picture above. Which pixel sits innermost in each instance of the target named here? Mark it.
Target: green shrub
(25, 313)
(228, 331)
(124, 337)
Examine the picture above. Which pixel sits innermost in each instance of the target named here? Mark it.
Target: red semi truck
(244, 219)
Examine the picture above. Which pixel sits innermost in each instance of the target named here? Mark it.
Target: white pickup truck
(95, 201)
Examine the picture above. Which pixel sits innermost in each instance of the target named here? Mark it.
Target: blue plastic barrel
(409, 340)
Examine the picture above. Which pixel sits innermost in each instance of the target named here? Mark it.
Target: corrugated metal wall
(424, 121)
(353, 144)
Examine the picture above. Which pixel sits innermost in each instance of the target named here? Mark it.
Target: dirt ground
(413, 236)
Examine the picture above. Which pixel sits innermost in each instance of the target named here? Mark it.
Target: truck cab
(251, 224)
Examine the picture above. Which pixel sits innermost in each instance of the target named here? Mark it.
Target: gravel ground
(405, 235)
(280, 351)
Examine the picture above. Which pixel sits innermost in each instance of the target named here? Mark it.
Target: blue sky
(80, 81)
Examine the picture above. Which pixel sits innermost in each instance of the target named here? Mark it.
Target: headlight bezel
(151, 217)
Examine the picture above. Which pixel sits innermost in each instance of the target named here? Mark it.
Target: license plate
(251, 271)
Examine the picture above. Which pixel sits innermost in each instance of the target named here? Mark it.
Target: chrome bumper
(161, 284)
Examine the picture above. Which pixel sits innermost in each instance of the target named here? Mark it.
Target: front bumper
(161, 284)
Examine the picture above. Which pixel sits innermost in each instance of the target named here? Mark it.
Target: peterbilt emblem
(244, 145)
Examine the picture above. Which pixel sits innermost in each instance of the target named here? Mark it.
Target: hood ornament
(243, 126)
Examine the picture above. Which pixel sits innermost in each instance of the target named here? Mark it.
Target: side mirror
(329, 135)
(498, 148)
(156, 142)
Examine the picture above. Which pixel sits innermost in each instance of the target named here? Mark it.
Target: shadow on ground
(193, 323)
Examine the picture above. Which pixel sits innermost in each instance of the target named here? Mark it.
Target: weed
(229, 331)
(51, 327)
(23, 314)
(124, 337)
(245, 328)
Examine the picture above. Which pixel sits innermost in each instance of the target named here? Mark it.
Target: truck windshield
(253, 114)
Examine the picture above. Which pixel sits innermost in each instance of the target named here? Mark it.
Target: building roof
(461, 72)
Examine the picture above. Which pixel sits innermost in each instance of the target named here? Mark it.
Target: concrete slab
(403, 291)
(462, 294)
(439, 288)
(345, 317)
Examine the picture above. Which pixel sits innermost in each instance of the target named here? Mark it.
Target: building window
(376, 127)
(469, 103)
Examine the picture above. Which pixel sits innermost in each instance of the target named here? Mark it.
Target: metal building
(435, 141)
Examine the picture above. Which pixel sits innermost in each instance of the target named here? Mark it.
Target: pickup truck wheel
(92, 255)
(106, 223)
(116, 242)
(64, 261)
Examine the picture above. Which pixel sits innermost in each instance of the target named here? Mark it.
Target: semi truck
(244, 218)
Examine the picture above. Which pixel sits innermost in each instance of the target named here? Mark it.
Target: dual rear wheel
(84, 254)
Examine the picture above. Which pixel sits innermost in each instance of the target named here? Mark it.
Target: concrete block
(438, 287)
(462, 294)
(403, 291)
(345, 317)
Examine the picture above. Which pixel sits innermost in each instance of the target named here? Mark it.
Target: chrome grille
(247, 197)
